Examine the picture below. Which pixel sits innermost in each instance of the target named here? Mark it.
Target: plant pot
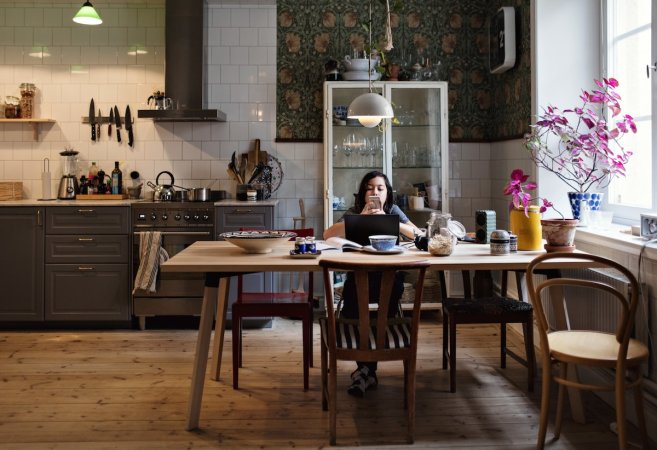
(592, 199)
(528, 229)
(559, 234)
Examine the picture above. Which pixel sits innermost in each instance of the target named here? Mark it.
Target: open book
(338, 243)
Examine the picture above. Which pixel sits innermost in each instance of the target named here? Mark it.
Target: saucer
(360, 76)
(393, 251)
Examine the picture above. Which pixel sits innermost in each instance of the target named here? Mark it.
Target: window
(629, 31)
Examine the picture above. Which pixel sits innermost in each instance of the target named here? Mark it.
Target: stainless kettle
(163, 192)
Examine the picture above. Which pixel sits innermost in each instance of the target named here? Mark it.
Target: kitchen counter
(35, 202)
(127, 202)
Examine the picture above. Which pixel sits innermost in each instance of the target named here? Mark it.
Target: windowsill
(617, 237)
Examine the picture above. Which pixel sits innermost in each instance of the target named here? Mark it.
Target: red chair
(296, 303)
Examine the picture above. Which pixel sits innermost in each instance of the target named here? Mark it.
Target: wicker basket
(11, 190)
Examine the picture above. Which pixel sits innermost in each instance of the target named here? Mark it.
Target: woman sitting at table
(373, 183)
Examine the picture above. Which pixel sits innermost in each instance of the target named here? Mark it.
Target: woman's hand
(368, 209)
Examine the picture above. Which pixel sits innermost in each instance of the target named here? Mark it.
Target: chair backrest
(628, 302)
(361, 272)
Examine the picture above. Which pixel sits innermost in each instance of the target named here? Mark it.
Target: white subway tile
(173, 149)
(191, 151)
(219, 55)
(239, 93)
(240, 17)
(15, 16)
(61, 36)
(43, 36)
(183, 130)
(230, 36)
(249, 74)
(239, 55)
(202, 131)
(267, 37)
(229, 74)
(239, 131)
(118, 36)
(248, 37)
(201, 169)
(52, 16)
(183, 169)
(23, 36)
(153, 150)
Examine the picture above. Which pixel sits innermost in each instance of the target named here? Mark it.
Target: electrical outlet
(649, 226)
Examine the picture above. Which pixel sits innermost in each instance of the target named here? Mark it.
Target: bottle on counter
(117, 179)
(93, 178)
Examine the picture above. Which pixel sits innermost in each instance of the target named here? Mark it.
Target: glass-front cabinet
(411, 148)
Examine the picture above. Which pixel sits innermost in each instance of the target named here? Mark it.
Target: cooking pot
(201, 194)
(183, 195)
(163, 192)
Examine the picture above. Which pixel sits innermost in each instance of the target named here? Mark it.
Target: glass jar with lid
(12, 107)
(27, 99)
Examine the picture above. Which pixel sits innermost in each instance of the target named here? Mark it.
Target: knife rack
(105, 120)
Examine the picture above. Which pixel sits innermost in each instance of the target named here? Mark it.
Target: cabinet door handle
(242, 211)
(81, 268)
(39, 218)
(86, 239)
(82, 211)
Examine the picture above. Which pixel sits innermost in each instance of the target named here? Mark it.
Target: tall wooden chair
(486, 309)
(369, 338)
(590, 348)
(294, 303)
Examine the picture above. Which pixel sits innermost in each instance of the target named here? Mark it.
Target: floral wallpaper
(452, 36)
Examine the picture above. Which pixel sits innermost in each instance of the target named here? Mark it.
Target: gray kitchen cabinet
(21, 265)
(232, 218)
(87, 256)
(83, 292)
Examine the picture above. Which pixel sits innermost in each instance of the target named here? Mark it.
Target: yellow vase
(528, 229)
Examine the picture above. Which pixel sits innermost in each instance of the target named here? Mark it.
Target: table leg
(219, 328)
(202, 347)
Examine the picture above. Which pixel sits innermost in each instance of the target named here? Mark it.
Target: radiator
(602, 312)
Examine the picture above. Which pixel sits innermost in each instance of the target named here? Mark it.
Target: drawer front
(87, 220)
(80, 292)
(232, 218)
(87, 249)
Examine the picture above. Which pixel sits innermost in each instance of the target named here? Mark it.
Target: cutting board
(101, 196)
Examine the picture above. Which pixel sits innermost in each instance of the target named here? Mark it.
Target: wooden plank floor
(128, 390)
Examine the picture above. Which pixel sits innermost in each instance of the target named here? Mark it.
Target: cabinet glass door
(417, 136)
(352, 150)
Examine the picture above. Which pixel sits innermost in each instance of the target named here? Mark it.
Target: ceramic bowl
(360, 64)
(383, 242)
(259, 241)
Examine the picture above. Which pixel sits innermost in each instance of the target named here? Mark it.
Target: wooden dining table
(220, 261)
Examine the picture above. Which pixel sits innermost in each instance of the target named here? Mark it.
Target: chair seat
(492, 306)
(593, 348)
(398, 335)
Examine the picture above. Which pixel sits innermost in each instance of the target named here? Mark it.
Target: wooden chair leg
(563, 373)
(503, 345)
(405, 405)
(310, 334)
(545, 405)
(306, 330)
(324, 369)
(621, 426)
(410, 395)
(452, 355)
(237, 345)
(528, 336)
(445, 337)
(332, 394)
(239, 348)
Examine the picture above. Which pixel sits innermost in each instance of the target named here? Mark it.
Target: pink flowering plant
(518, 188)
(581, 145)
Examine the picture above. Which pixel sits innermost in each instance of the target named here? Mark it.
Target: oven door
(174, 284)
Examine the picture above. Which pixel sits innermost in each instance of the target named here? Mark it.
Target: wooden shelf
(34, 123)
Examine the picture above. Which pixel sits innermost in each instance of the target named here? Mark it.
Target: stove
(181, 224)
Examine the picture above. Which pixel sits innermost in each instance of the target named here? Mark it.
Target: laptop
(359, 227)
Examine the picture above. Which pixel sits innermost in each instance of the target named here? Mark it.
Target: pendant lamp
(370, 108)
(87, 15)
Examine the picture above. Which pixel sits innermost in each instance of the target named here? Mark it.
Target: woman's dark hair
(361, 201)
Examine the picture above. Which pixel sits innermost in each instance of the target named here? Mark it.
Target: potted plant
(581, 145)
(526, 221)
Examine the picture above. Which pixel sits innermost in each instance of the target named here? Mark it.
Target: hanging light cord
(369, 59)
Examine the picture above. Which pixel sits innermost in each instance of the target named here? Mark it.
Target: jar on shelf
(12, 107)
(27, 100)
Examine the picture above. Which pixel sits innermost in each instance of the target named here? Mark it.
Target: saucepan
(200, 194)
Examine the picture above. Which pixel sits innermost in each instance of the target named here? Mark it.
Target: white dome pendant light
(370, 108)
(87, 15)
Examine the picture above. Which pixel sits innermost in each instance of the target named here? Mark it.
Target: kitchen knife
(98, 122)
(111, 122)
(92, 119)
(128, 125)
(117, 122)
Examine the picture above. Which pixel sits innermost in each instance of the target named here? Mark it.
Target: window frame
(631, 214)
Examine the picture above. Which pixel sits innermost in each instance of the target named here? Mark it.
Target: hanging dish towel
(151, 255)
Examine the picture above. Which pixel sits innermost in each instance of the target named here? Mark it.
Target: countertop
(77, 203)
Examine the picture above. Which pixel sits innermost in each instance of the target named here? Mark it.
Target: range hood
(183, 65)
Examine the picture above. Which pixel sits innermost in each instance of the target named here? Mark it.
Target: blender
(68, 185)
